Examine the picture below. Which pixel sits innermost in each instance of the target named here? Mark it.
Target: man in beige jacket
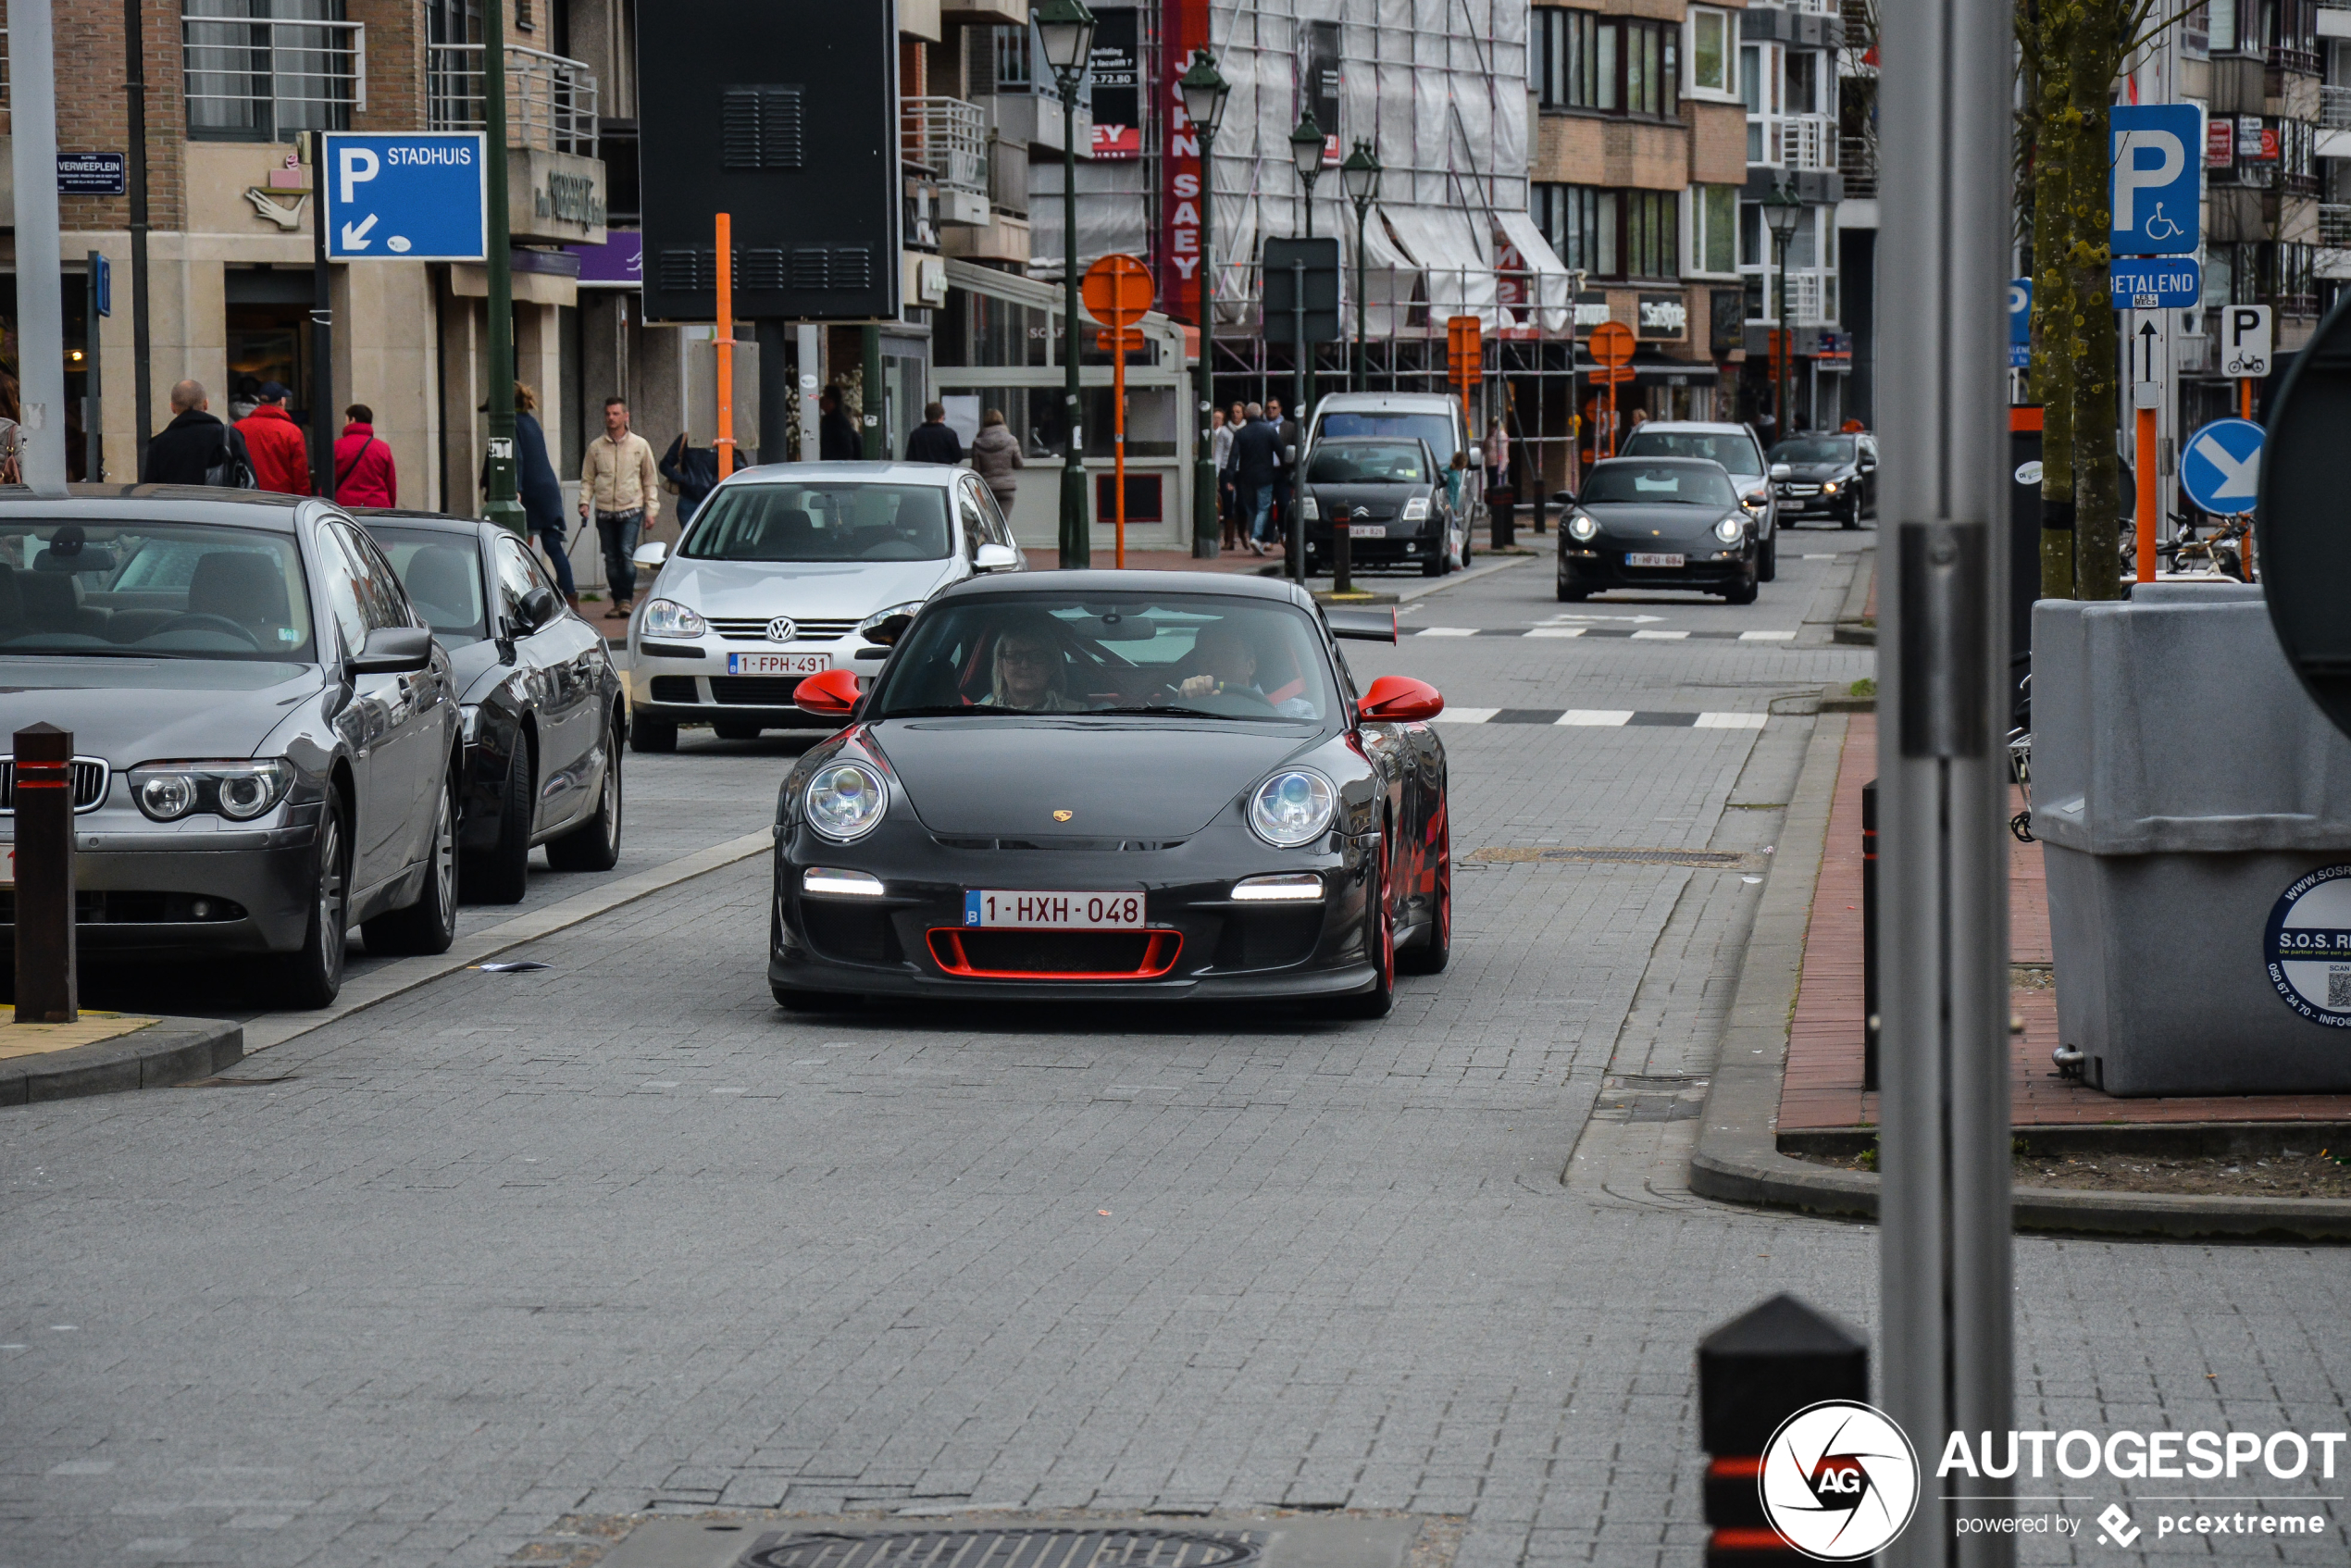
(618, 479)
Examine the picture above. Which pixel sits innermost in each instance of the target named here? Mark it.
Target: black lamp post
(1306, 153)
(1360, 174)
(1205, 90)
(1781, 212)
(1066, 27)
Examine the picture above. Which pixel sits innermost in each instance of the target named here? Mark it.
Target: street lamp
(1204, 90)
(1065, 30)
(1306, 153)
(1359, 176)
(1781, 212)
(1306, 157)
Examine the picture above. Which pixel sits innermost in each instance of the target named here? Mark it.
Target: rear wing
(1362, 626)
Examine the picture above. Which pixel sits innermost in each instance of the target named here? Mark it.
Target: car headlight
(1416, 509)
(844, 801)
(1582, 526)
(1756, 500)
(831, 881)
(870, 623)
(1310, 509)
(1292, 808)
(667, 617)
(1282, 886)
(1829, 488)
(1730, 530)
(238, 790)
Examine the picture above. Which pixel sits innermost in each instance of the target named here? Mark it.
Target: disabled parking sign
(404, 196)
(2154, 169)
(2220, 466)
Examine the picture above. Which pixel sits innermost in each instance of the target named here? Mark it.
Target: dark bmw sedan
(1388, 493)
(544, 718)
(267, 735)
(1115, 786)
(1657, 522)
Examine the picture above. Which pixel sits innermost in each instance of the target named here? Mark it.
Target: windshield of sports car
(1736, 453)
(1821, 449)
(1434, 429)
(1656, 484)
(152, 590)
(1368, 462)
(839, 521)
(1148, 655)
(441, 572)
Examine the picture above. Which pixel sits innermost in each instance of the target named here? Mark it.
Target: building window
(1714, 216)
(1609, 233)
(1713, 60)
(257, 70)
(1607, 65)
(1012, 71)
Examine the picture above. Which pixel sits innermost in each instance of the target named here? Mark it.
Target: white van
(1435, 417)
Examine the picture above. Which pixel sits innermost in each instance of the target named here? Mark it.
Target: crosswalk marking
(1559, 632)
(1767, 637)
(1646, 635)
(1594, 716)
(1621, 633)
(1602, 718)
(1466, 715)
(1447, 631)
(1730, 721)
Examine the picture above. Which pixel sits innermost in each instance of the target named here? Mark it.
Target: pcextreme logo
(1839, 1481)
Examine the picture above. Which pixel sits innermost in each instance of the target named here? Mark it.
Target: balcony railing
(258, 79)
(2335, 225)
(1810, 298)
(2334, 104)
(1857, 156)
(948, 137)
(551, 100)
(1793, 141)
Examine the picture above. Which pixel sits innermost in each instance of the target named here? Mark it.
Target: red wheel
(1380, 939)
(1428, 957)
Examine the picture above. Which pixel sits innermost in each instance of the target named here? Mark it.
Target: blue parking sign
(2156, 160)
(2158, 282)
(404, 196)
(2020, 323)
(2221, 467)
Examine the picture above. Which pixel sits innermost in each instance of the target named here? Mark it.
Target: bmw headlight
(237, 790)
(872, 623)
(1292, 808)
(1730, 530)
(844, 801)
(1581, 526)
(667, 617)
(1310, 509)
(1416, 509)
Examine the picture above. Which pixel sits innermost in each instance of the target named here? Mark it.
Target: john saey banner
(1182, 202)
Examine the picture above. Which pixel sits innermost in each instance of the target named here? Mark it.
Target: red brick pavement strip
(1822, 1089)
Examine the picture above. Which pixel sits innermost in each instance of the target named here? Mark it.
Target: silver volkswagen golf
(779, 576)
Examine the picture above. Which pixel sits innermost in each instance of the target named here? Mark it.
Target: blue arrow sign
(404, 196)
(2020, 323)
(2156, 282)
(2220, 466)
(2156, 161)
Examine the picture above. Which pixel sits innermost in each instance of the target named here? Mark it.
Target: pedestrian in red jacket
(280, 459)
(364, 473)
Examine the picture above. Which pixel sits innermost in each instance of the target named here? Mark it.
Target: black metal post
(502, 505)
(1207, 527)
(1753, 1373)
(46, 989)
(94, 406)
(322, 334)
(1077, 536)
(135, 87)
(876, 447)
(1342, 554)
(1297, 530)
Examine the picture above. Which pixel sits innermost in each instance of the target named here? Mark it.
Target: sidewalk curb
(1483, 564)
(409, 973)
(169, 1051)
(1738, 1159)
(1853, 625)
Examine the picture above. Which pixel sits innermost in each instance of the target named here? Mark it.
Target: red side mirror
(1396, 699)
(830, 695)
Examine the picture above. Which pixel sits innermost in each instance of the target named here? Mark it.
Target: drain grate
(1006, 1549)
(1514, 855)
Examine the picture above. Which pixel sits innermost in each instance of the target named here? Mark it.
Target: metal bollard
(43, 794)
(1753, 1373)
(1501, 511)
(1868, 934)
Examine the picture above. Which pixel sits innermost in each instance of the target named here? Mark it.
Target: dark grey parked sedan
(266, 736)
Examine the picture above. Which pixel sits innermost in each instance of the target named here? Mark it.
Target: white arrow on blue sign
(404, 196)
(2156, 282)
(2220, 466)
(2156, 160)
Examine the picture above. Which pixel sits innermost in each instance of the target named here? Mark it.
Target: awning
(1548, 282)
(1460, 275)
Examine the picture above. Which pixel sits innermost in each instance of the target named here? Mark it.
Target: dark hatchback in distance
(544, 718)
(1388, 492)
(1828, 475)
(1657, 522)
(267, 735)
(1095, 785)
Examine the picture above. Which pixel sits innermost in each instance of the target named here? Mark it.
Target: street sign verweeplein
(409, 195)
(2304, 548)
(2153, 178)
(2220, 466)
(784, 114)
(2245, 341)
(91, 174)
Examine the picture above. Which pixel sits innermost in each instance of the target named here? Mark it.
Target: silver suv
(1741, 455)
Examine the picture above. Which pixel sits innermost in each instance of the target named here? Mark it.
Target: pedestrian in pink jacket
(364, 472)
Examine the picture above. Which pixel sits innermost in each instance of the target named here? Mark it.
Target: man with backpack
(196, 448)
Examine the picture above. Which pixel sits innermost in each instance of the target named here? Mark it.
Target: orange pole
(725, 344)
(2245, 411)
(1611, 411)
(2146, 495)
(1118, 427)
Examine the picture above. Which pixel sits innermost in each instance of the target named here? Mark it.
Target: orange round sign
(1612, 343)
(1117, 291)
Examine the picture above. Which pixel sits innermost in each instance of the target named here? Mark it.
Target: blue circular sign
(2220, 466)
(2308, 946)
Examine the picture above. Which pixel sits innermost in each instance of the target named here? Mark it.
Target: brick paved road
(620, 1235)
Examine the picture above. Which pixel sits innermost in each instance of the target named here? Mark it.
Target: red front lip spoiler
(1160, 951)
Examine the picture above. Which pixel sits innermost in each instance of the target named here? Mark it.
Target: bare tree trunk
(2056, 303)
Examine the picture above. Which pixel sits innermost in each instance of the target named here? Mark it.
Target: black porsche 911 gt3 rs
(1116, 786)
